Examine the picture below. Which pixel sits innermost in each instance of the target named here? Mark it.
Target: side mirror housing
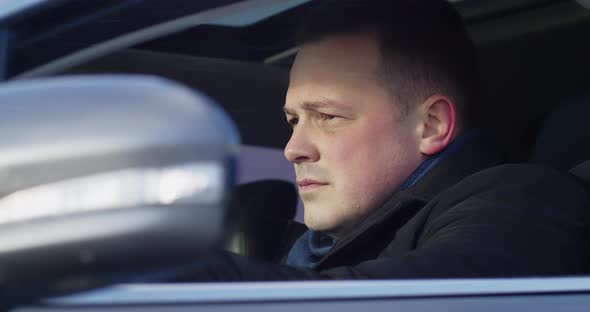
(104, 176)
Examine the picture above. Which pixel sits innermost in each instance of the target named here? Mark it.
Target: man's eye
(292, 121)
(323, 116)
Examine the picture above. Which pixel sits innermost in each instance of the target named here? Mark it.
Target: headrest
(564, 139)
(276, 199)
(262, 218)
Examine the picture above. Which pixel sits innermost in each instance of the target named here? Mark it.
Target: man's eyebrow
(288, 111)
(316, 106)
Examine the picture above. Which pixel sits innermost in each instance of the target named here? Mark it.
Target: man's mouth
(306, 185)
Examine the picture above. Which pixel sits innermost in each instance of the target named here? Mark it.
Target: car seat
(263, 219)
(562, 142)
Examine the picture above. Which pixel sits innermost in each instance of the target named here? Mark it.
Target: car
(534, 57)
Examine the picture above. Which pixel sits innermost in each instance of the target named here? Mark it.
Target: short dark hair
(424, 44)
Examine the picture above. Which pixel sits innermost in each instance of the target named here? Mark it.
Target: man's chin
(311, 196)
(322, 225)
(317, 225)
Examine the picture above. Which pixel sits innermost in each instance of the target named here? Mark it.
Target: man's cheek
(347, 149)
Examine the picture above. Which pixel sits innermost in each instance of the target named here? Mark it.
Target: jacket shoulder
(525, 192)
(519, 181)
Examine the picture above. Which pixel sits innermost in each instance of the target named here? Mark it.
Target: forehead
(338, 64)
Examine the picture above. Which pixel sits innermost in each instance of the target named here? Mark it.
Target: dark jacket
(468, 217)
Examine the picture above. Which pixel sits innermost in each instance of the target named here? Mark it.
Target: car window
(534, 56)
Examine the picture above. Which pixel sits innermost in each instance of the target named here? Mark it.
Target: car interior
(535, 97)
(534, 72)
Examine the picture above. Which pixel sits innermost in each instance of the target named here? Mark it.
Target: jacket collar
(471, 157)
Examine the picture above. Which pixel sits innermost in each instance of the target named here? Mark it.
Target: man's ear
(439, 124)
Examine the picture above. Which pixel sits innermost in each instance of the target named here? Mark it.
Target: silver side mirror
(101, 176)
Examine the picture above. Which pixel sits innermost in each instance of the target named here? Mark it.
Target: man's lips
(309, 184)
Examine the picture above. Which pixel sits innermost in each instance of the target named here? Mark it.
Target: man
(395, 181)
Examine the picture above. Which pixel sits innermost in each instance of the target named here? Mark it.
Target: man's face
(350, 147)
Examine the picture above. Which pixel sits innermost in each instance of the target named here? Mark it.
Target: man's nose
(301, 148)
